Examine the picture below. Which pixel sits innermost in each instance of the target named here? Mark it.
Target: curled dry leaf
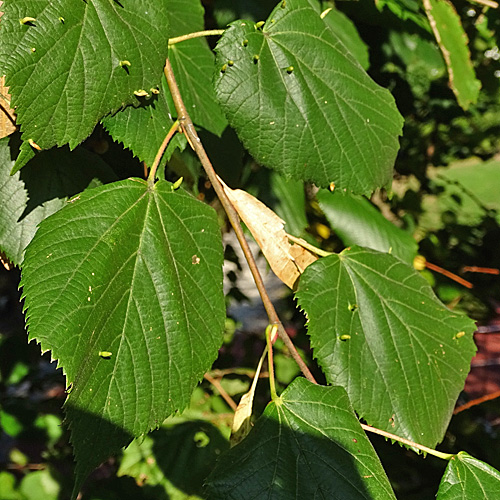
(7, 116)
(287, 260)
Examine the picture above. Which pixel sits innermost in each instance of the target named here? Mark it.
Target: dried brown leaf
(7, 115)
(287, 260)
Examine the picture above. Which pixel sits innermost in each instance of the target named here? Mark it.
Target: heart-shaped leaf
(467, 477)
(373, 320)
(307, 444)
(70, 63)
(124, 286)
(303, 105)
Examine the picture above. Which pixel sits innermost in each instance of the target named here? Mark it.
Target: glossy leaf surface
(124, 286)
(78, 61)
(467, 477)
(373, 320)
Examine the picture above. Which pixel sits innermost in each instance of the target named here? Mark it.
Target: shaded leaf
(467, 477)
(85, 45)
(373, 322)
(41, 189)
(135, 271)
(177, 456)
(307, 444)
(193, 66)
(406, 10)
(291, 204)
(453, 42)
(357, 222)
(287, 260)
(422, 62)
(302, 105)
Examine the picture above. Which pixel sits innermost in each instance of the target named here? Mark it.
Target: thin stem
(308, 246)
(189, 130)
(270, 334)
(477, 401)
(448, 274)
(421, 447)
(487, 3)
(197, 34)
(173, 129)
(227, 398)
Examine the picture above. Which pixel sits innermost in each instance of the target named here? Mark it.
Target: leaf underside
(378, 330)
(124, 286)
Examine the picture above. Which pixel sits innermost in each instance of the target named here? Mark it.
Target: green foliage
(372, 320)
(453, 43)
(117, 270)
(467, 477)
(314, 446)
(357, 222)
(274, 78)
(122, 277)
(87, 45)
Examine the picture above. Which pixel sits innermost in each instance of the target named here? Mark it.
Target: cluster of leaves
(122, 277)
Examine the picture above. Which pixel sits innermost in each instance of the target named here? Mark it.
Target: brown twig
(477, 401)
(173, 129)
(227, 398)
(188, 129)
(448, 274)
(487, 3)
(483, 270)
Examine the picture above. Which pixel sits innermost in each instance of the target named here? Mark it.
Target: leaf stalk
(421, 447)
(197, 34)
(173, 129)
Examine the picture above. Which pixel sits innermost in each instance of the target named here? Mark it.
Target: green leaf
(357, 222)
(143, 129)
(67, 69)
(193, 66)
(302, 105)
(378, 330)
(346, 31)
(467, 477)
(135, 271)
(453, 41)
(307, 444)
(469, 190)
(40, 189)
(421, 59)
(41, 485)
